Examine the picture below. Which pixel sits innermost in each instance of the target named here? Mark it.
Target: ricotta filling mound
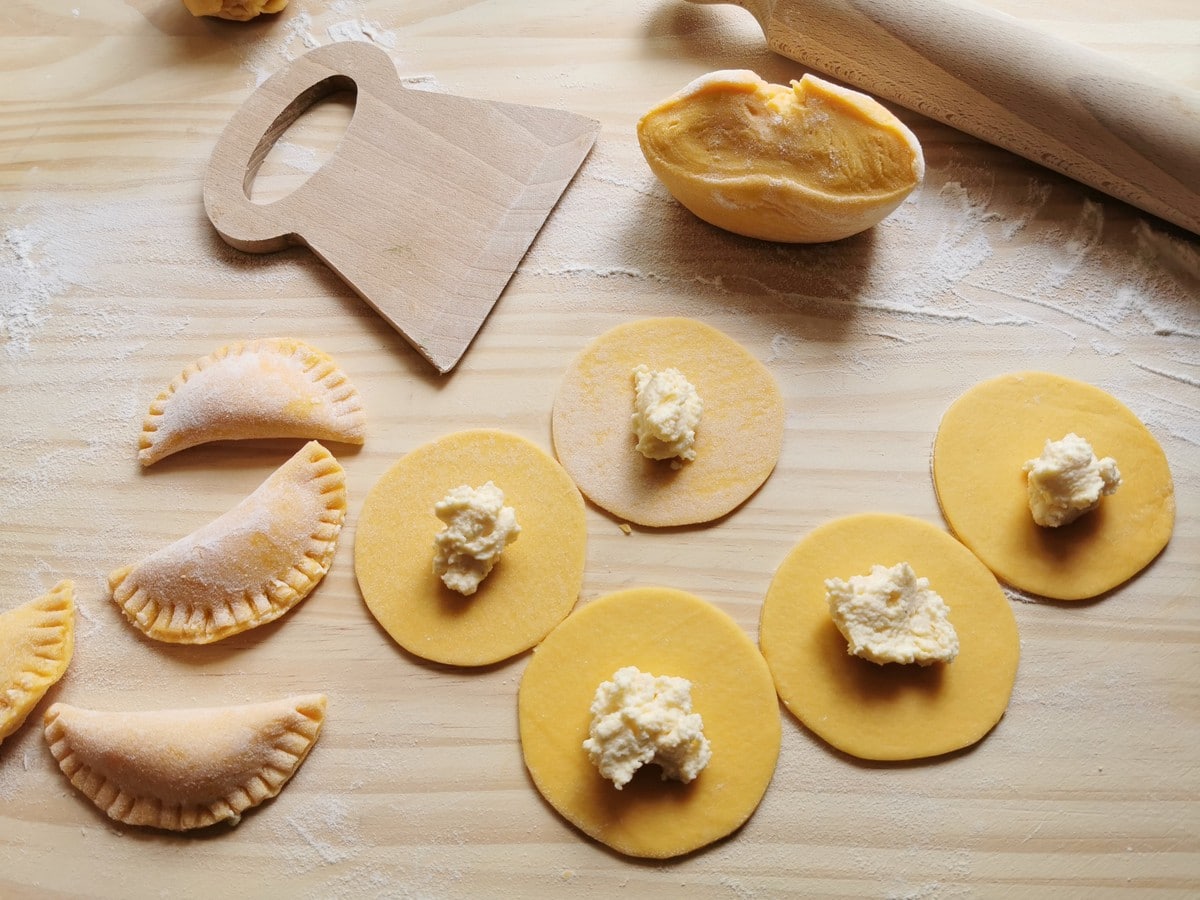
(638, 718)
(478, 528)
(1067, 481)
(666, 411)
(891, 616)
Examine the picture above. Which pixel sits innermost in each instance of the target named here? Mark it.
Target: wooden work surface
(111, 280)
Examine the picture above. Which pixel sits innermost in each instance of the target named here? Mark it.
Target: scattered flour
(323, 833)
(25, 289)
(299, 34)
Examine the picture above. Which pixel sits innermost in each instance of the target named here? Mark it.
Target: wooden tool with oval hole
(1071, 109)
(426, 206)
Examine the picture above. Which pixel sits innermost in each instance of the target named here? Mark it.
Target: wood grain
(1113, 127)
(425, 207)
(112, 279)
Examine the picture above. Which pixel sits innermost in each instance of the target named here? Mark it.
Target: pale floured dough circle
(989, 432)
(738, 440)
(888, 712)
(663, 632)
(532, 587)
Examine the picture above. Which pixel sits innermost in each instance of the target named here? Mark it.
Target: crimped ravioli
(180, 769)
(247, 567)
(36, 643)
(276, 387)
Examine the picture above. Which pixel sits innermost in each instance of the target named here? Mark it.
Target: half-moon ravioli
(184, 768)
(275, 387)
(247, 567)
(36, 642)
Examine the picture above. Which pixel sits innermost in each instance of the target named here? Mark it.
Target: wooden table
(112, 280)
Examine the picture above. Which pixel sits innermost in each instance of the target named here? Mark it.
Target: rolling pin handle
(1061, 105)
(253, 131)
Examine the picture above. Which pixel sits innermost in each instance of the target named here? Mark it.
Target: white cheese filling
(478, 527)
(891, 616)
(638, 718)
(1067, 481)
(666, 412)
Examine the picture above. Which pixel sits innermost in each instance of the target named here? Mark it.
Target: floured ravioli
(36, 643)
(184, 768)
(247, 567)
(271, 388)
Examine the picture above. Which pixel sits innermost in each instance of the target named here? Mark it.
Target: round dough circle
(532, 587)
(985, 437)
(738, 440)
(663, 632)
(889, 712)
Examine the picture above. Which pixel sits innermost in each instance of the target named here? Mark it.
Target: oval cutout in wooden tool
(426, 206)
(1071, 109)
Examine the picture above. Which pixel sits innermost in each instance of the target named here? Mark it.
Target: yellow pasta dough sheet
(986, 436)
(533, 586)
(738, 440)
(893, 711)
(663, 632)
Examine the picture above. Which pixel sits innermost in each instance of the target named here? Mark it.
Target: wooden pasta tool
(426, 206)
(1071, 109)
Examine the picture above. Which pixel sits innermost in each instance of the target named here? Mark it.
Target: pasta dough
(37, 640)
(247, 567)
(983, 441)
(888, 712)
(801, 163)
(532, 587)
(738, 440)
(238, 10)
(657, 630)
(180, 769)
(277, 387)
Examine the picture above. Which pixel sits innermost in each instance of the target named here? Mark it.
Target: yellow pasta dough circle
(888, 712)
(530, 590)
(989, 432)
(738, 440)
(662, 632)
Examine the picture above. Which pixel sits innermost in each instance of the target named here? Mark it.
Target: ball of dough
(237, 10)
(805, 163)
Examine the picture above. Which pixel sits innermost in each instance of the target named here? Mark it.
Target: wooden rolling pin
(1071, 109)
